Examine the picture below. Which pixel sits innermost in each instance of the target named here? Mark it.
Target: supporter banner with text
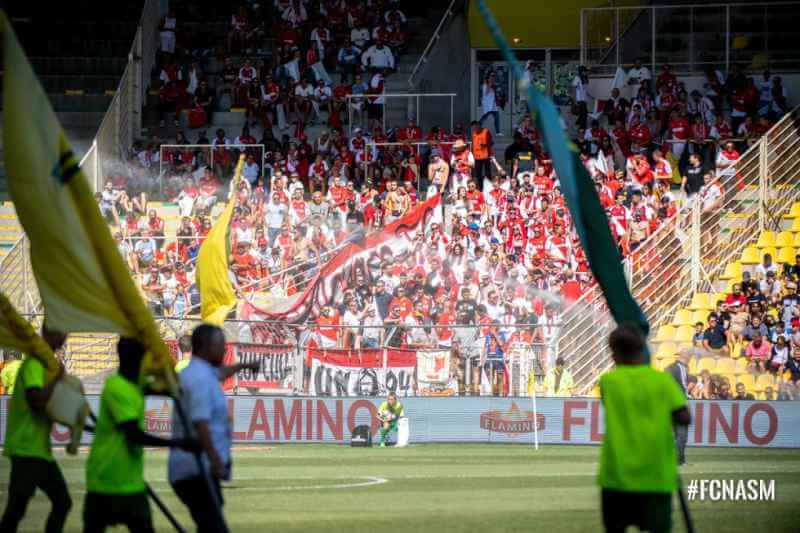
(362, 372)
(276, 366)
(268, 419)
(433, 372)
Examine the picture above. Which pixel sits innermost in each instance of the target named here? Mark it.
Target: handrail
(423, 58)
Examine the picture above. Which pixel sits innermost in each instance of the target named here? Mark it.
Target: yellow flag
(18, 334)
(217, 297)
(83, 281)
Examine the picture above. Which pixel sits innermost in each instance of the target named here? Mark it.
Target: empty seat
(725, 365)
(747, 380)
(666, 350)
(763, 381)
(785, 255)
(701, 300)
(665, 333)
(767, 238)
(733, 270)
(707, 363)
(684, 334)
(794, 211)
(783, 239)
(750, 256)
(683, 317)
(701, 315)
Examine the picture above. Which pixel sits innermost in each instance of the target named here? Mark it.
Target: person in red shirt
(475, 199)
(678, 133)
(667, 79)
(639, 133)
(156, 226)
(402, 302)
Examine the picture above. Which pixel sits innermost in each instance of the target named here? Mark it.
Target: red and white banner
(276, 367)
(433, 373)
(362, 372)
(268, 419)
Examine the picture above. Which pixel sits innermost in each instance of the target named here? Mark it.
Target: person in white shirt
(274, 215)
(489, 105)
(359, 36)
(321, 98)
(251, 170)
(378, 56)
(303, 94)
(710, 193)
(167, 32)
(635, 76)
(580, 84)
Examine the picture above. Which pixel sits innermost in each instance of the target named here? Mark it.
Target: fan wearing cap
(462, 162)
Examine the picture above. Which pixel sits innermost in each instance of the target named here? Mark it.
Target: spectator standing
(680, 372)
(482, 151)
(489, 105)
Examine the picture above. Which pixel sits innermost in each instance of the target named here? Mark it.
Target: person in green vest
(8, 375)
(116, 491)
(27, 444)
(389, 412)
(638, 463)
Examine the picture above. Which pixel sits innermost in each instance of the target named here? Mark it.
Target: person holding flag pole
(83, 281)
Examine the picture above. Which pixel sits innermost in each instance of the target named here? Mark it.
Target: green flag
(579, 191)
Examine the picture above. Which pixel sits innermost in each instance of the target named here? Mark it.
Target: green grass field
(455, 487)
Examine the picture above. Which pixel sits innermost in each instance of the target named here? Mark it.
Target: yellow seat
(701, 300)
(701, 315)
(684, 334)
(794, 211)
(665, 350)
(740, 365)
(665, 333)
(783, 239)
(796, 240)
(750, 255)
(785, 256)
(747, 380)
(732, 271)
(731, 283)
(725, 365)
(661, 364)
(707, 363)
(795, 225)
(693, 365)
(683, 317)
(763, 381)
(767, 238)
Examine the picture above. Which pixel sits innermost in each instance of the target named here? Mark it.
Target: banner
(433, 373)
(271, 419)
(361, 373)
(276, 366)
(337, 274)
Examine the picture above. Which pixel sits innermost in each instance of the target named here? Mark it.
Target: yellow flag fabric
(18, 334)
(84, 283)
(217, 297)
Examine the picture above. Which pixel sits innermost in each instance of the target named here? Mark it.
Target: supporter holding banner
(276, 367)
(362, 373)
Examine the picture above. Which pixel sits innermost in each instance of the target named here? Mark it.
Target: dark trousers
(681, 436)
(28, 474)
(101, 511)
(649, 511)
(193, 492)
(483, 170)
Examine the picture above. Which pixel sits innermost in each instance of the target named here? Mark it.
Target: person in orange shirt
(483, 151)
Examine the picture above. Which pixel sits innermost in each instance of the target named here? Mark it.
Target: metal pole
(695, 243)
(616, 36)
(727, 40)
(97, 178)
(451, 115)
(691, 38)
(535, 418)
(583, 37)
(653, 40)
(762, 183)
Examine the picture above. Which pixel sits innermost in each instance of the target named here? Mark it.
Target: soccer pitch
(445, 487)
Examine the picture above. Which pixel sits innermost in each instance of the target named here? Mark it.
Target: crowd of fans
(500, 255)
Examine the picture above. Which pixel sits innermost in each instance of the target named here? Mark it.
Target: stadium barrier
(689, 253)
(398, 109)
(276, 419)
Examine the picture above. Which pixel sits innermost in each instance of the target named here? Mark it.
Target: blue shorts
(494, 364)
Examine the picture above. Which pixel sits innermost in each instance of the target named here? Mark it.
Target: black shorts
(103, 510)
(649, 511)
(494, 364)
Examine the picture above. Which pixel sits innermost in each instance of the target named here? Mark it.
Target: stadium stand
(224, 85)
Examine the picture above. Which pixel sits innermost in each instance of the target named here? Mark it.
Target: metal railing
(689, 253)
(691, 37)
(423, 58)
(122, 123)
(411, 106)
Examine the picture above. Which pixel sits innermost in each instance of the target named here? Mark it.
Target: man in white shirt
(274, 215)
(635, 76)
(710, 193)
(378, 56)
(251, 170)
(321, 98)
(359, 36)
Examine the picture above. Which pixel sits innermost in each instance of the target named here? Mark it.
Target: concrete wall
(447, 71)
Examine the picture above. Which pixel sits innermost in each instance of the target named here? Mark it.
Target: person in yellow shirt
(8, 375)
(558, 381)
(389, 413)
